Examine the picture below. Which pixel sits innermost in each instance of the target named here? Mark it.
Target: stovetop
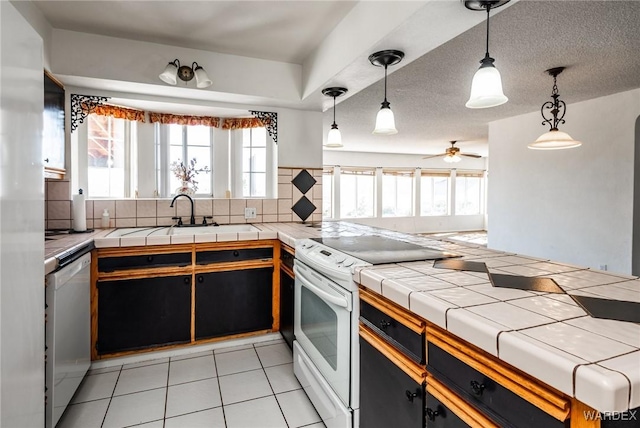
(380, 250)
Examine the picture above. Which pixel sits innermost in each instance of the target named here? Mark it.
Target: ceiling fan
(452, 154)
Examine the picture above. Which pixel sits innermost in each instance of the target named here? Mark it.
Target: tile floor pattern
(246, 386)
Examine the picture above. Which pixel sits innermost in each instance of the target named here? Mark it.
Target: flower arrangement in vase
(186, 174)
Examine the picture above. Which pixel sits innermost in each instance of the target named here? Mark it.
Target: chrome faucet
(192, 220)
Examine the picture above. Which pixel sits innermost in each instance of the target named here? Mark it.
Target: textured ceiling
(598, 42)
(276, 30)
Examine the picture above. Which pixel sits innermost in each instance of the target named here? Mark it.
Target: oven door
(322, 326)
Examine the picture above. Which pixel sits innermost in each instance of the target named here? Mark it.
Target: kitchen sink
(184, 230)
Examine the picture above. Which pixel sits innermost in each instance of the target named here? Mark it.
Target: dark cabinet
(53, 138)
(111, 264)
(389, 397)
(143, 313)
(287, 286)
(233, 302)
(438, 415)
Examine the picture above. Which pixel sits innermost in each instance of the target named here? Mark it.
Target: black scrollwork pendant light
(554, 139)
(334, 138)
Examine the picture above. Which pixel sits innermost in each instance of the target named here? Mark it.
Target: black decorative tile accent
(619, 310)
(303, 208)
(304, 181)
(461, 265)
(534, 283)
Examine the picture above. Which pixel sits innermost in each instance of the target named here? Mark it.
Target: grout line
(272, 390)
(166, 394)
(215, 364)
(104, 418)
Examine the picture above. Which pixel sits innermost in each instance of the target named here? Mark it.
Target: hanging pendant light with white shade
(486, 86)
(554, 139)
(334, 138)
(385, 122)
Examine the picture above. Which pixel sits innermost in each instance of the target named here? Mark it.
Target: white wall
(635, 268)
(575, 205)
(21, 223)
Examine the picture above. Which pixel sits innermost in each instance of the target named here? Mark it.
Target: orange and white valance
(117, 112)
(243, 123)
(176, 119)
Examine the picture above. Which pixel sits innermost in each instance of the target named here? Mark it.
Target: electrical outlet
(603, 267)
(249, 213)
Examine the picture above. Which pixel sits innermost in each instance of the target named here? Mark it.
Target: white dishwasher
(67, 332)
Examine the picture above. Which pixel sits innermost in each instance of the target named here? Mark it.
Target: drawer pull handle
(411, 395)
(149, 259)
(477, 388)
(200, 279)
(432, 414)
(236, 253)
(187, 280)
(384, 324)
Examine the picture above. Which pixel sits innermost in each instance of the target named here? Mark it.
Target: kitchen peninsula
(571, 363)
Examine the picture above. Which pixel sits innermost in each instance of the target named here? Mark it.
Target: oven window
(320, 325)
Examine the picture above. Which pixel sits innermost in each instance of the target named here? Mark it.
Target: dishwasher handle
(60, 277)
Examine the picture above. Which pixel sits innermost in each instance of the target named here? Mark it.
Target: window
(327, 192)
(254, 162)
(434, 193)
(357, 193)
(468, 191)
(109, 156)
(188, 142)
(397, 193)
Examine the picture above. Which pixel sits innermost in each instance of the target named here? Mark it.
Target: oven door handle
(342, 302)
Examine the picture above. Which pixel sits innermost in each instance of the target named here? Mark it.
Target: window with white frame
(254, 162)
(110, 150)
(357, 192)
(468, 192)
(434, 193)
(327, 192)
(397, 193)
(186, 143)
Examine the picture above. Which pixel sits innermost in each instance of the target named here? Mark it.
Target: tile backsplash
(156, 212)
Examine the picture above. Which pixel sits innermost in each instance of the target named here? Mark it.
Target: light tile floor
(246, 386)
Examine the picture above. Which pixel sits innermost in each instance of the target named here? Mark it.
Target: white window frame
(236, 169)
(436, 173)
(397, 172)
(373, 173)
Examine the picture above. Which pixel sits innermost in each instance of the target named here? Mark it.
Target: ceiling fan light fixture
(385, 120)
(486, 86)
(334, 137)
(554, 139)
(452, 158)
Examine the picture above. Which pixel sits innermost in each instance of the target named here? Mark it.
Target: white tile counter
(545, 335)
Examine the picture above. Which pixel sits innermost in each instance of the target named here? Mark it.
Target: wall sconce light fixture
(554, 139)
(486, 86)
(385, 122)
(334, 138)
(174, 70)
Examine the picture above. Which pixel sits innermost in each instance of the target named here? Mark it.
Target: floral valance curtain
(115, 111)
(242, 123)
(176, 119)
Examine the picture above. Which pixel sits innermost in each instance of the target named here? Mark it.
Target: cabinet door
(287, 284)
(53, 129)
(142, 313)
(232, 302)
(388, 396)
(439, 416)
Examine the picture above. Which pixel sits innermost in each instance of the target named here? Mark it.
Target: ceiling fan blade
(469, 155)
(433, 156)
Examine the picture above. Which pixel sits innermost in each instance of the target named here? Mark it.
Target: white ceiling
(598, 42)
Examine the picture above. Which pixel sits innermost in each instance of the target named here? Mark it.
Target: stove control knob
(347, 263)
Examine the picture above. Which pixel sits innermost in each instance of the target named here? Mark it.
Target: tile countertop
(545, 335)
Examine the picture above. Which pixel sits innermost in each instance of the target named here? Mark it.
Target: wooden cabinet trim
(469, 414)
(236, 245)
(224, 266)
(398, 313)
(120, 275)
(578, 412)
(544, 397)
(54, 173)
(144, 250)
(408, 366)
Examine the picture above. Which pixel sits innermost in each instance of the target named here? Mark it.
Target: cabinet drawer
(499, 403)
(440, 416)
(402, 330)
(286, 258)
(110, 264)
(240, 254)
(391, 395)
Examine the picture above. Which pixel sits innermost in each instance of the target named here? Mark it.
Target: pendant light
(554, 139)
(385, 122)
(486, 86)
(334, 139)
